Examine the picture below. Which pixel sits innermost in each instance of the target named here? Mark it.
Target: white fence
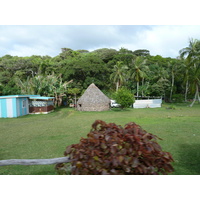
(148, 103)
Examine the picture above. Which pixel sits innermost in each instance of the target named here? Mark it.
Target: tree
(105, 54)
(141, 52)
(124, 55)
(192, 54)
(195, 82)
(158, 78)
(47, 85)
(74, 91)
(173, 67)
(119, 74)
(124, 97)
(137, 71)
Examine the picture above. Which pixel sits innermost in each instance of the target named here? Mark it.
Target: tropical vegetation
(72, 71)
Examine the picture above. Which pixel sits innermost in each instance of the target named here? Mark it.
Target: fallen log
(35, 161)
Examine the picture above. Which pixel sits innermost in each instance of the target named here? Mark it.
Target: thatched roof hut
(93, 99)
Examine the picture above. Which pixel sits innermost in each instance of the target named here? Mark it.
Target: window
(24, 104)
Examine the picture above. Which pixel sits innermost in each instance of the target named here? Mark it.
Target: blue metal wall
(3, 108)
(13, 107)
(22, 107)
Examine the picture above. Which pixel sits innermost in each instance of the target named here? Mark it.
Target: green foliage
(124, 97)
(178, 98)
(106, 54)
(172, 107)
(118, 76)
(111, 69)
(45, 85)
(141, 52)
(73, 91)
(110, 149)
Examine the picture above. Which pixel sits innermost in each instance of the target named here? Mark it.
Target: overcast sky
(27, 40)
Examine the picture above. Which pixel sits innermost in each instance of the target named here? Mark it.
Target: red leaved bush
(111, 149)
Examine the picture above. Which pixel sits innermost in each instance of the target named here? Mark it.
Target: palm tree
(174, 68)
(119, 74)
(192, 51)
(186, 77)
(194, 78)
(138, 71)
(192, 54)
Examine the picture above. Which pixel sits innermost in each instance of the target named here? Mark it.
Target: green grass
(46, 136)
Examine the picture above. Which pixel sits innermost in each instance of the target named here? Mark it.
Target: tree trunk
(142, 87)
(117, 86)
(75, 101)
(186, 90)
(59, 100)
(172, 86)
(137, 89)
(196, 96)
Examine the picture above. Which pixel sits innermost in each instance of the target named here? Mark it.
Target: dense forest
(72, 71)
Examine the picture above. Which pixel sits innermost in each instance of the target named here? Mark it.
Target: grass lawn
(46, 136)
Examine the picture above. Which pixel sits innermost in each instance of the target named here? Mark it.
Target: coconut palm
(194, 78)
(119, 74)
(192, 54)
(174, 68)
(192, 51)
(138, 70)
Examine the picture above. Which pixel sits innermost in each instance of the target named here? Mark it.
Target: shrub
(111, 149)
(124, 97)
(178, 98)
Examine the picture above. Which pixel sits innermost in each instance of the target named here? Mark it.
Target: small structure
(148, 103)
(19, 105)
(42, 105)
(93, 99)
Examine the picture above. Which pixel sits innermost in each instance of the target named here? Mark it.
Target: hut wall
(95, 107)
(93, 100)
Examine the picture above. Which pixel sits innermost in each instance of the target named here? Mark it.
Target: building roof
(93, 96)
(28, 96)
(17, 96)
(41, 98)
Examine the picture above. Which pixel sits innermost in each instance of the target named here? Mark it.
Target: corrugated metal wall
(3, 107)
(13, 107)
(22, 106)
(148, 103)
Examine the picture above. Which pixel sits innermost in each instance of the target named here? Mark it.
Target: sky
(27, 40)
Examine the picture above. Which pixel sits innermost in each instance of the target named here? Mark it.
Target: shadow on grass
(189, 158)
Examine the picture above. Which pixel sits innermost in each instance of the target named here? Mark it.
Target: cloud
(48, 40)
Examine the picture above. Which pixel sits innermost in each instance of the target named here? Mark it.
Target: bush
(124, 97)
(177, 98)
(111, 149)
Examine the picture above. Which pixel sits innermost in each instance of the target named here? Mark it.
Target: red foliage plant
(110, 149)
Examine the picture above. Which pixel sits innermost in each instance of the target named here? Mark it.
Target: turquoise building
(17, 105)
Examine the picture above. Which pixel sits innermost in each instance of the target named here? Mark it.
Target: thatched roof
(93, 99)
